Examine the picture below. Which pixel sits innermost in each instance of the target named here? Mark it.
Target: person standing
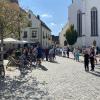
(92, 54)
(47, 53)
(95, 52)
(68, 50)
(77, 54)
(34, 55)
(39, 54)
(74, 53)
(51, 54)
(86, 61)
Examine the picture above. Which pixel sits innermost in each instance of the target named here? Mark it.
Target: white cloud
(62, 25)
(53, 24)
(46, 16)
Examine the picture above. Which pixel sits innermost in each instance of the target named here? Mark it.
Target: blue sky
(53, 12)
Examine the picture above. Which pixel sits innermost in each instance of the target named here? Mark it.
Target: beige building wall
(61, 35)
(40, 28)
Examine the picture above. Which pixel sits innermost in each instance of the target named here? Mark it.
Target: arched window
(94, 22)
(65, 43)
(79, 23)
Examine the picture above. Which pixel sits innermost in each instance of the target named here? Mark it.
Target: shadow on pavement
(24, 71)
(54, 62)
(42, 67)
(80, 61)
(27, 88)
(97, 67)
(95, 73)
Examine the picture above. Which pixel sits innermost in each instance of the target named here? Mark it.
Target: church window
(79, 23)
(94, 22)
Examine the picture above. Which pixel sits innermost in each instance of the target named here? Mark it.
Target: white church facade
(85, 16)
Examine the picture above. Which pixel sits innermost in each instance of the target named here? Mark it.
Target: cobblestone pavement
(64, 79)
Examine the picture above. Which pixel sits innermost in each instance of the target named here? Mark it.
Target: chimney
(38, 17)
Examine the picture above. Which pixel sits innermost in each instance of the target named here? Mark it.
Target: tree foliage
(71, 35)
(11, 18)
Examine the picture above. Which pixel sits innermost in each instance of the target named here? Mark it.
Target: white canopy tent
(10, 43)
(11, 40)
(23, 42)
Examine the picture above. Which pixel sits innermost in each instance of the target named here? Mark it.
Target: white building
(37, 31)
(61, 35)
(85, 15)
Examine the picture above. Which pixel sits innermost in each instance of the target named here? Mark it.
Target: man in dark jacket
(86, 61)
(46, 53)
(92, 54)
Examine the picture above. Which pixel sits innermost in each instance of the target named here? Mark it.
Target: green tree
(71, 35)
(12, 19)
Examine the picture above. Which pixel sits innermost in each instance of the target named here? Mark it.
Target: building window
(46, 36)
(94, 22)
(30, 24)
(43, 36)
(79, 23)
(25, 34)
(34, 34)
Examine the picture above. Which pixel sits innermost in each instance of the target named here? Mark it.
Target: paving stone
(64, 80)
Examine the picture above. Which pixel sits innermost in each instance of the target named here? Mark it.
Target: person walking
(47, 53)
(86, 60)
(92, 54)
(39, 54)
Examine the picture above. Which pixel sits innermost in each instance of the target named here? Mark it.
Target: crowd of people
(33, 55)
(89, 55)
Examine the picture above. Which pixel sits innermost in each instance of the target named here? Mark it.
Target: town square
(49, 50)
